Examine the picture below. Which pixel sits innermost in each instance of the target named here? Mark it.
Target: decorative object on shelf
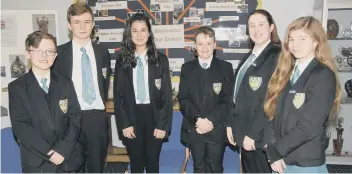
(338, 142)
(342, 63)
(348, 88)
(333, 28)
(349, 60)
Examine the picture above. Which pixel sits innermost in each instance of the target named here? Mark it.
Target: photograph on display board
(18, 65)
(3, 71)
(45, 23)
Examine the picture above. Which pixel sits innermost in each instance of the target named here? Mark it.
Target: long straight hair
(286, 62)
(274, 36)
(129, 48)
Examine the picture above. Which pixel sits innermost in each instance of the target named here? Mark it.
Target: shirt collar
(303, 65)
(77, 45)
(40, 78)
(207, 61)
(258, 50)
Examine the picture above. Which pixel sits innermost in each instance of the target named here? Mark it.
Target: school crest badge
(298, 100)
(217, 87)
(255, 82)
(63, 105)
(158, 83)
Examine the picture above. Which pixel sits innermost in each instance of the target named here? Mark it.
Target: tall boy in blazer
(205, 93)
(88, 65)
(45, 113)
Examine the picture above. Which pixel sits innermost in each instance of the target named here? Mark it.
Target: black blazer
(301, 114)
(249, 117)
(160, 98)
(64, 61)
(209, 104)
(39, 127)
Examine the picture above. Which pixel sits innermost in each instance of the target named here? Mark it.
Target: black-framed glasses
(47, 52)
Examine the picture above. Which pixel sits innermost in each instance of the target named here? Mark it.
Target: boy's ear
(26, 54)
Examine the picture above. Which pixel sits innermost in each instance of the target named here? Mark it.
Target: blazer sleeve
(187, 108)
(165, 113)
(22, 126)
(122, 120)
(311, 117)
(221, 112)
(66, 144)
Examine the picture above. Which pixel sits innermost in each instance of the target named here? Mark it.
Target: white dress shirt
(146, 78)
(77, 76)
(40, 78)
(207, 61)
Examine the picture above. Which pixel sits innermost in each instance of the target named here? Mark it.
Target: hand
(230, 136)
(204, 126)
(159, 134)
(56, 158)
(278, 166)
(248, 144)
(129, 132)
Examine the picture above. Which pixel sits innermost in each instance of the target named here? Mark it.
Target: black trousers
(94, 139)
(207, 157)
(144, 150)
(255, 161)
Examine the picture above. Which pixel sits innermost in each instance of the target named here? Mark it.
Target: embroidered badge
(255, 82)
(217, 87)
(298, 100)
(158, 83)
(63, 105)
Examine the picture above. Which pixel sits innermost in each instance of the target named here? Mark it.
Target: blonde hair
(284, 67)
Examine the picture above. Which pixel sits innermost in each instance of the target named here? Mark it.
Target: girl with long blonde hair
(302, 93)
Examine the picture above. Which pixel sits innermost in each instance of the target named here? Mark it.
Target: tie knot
(43, 80)
(252, 56)
(139, 60)
(83, 50)
(204, 65)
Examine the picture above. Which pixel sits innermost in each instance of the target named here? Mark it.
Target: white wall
(285, 11)
(60, 6)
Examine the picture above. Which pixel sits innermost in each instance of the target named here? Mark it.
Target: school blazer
(249, 117)
(213, 103)
(299, 124)
(160, 93)
(64, 64)
(39, 127)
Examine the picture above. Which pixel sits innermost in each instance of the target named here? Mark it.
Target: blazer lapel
(297, 88)
(69, 59)
(35, 96)
(129, 75)
(56, 96)
(151, 80)
(261, 58)
(98, 60)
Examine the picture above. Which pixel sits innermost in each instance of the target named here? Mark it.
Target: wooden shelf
(340, 39)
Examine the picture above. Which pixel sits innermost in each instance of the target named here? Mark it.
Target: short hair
(34, 39)
(206, 31)
(78, 9)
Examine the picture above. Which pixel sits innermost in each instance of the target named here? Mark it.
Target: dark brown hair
(274, 36)
(206, 31)
(34, 39)
(77, 10)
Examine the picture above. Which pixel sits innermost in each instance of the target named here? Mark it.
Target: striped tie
(295, 75)
(44, 86)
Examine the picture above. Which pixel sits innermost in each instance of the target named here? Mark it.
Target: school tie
(242, 72)
(141, 96)
(295, 76)
(88, 91)
(204, 65)
(44, 86)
